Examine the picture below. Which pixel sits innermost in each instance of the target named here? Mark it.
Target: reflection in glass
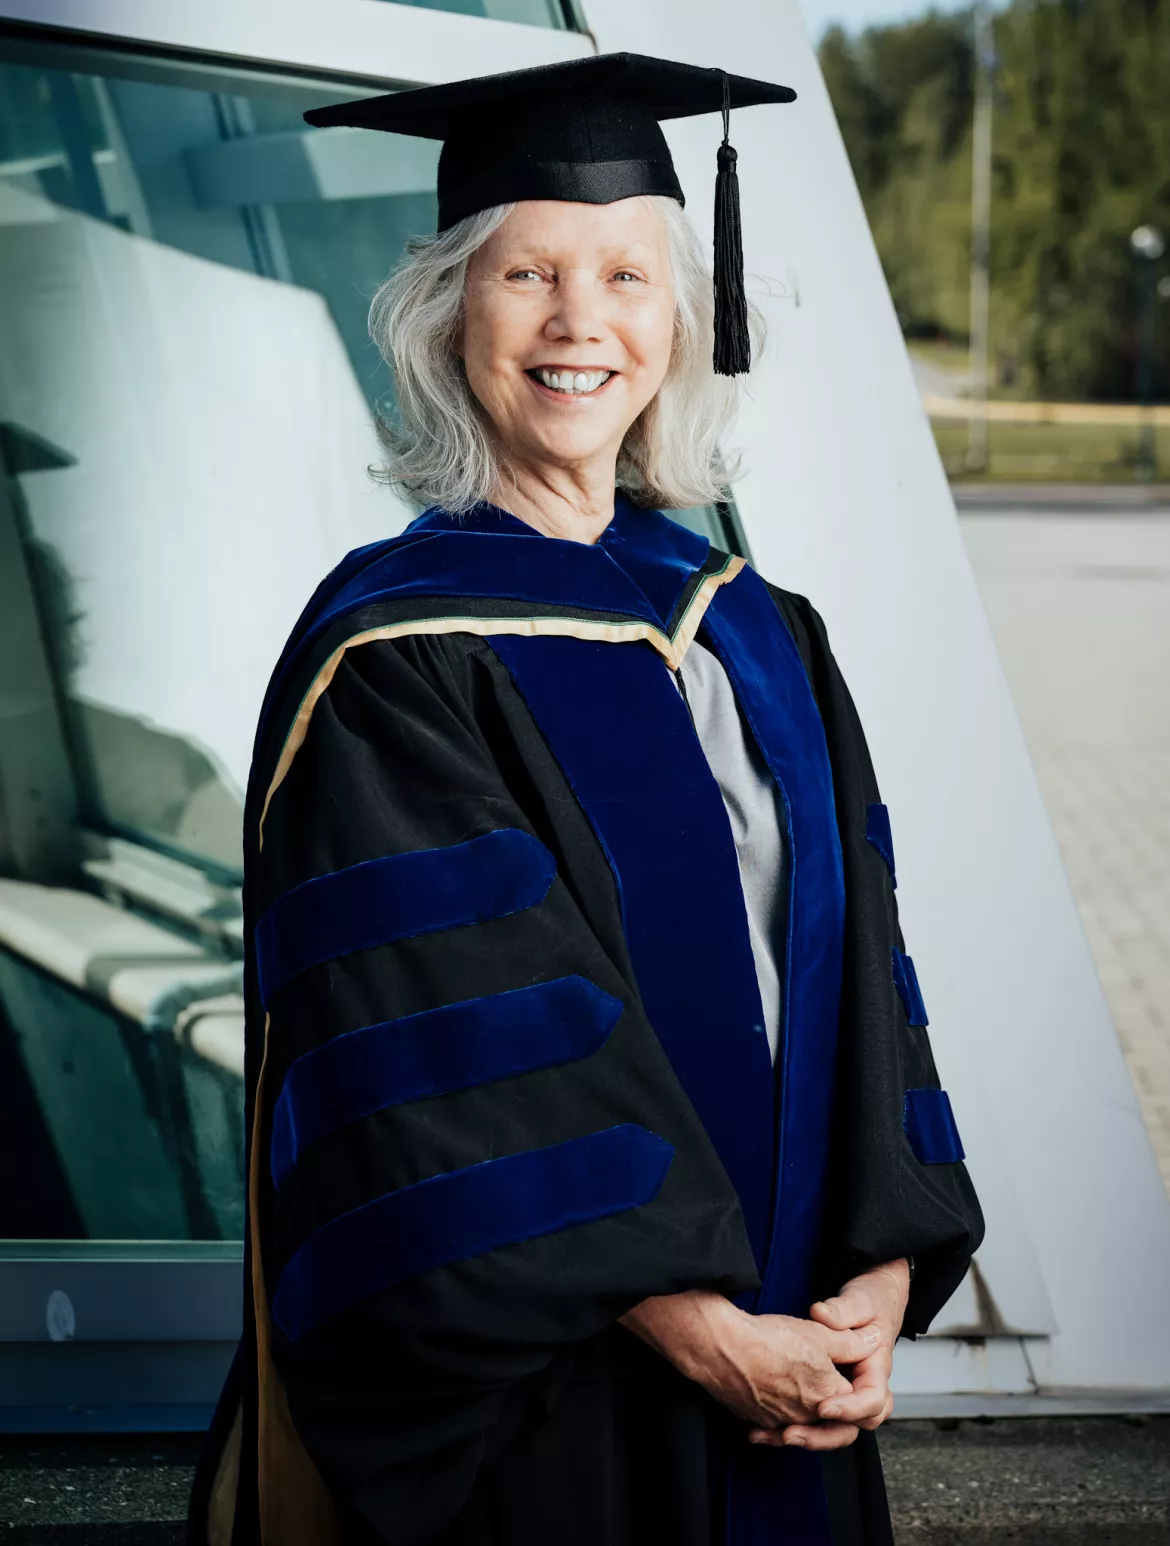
(720, 524)
(185, 427)
(533, 13)
(186, 396)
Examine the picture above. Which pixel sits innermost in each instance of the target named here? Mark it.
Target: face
(564, 289)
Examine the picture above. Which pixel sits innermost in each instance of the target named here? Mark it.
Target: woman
(583, 1051)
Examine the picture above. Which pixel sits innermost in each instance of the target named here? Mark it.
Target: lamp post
(1148, 246)
(981, 234)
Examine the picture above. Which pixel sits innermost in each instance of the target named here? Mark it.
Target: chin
(572, 448)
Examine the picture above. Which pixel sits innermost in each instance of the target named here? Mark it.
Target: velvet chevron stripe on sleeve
(906, 982)
(930, 1127)
(433, 1053)
(396, 897)
(465, 1213)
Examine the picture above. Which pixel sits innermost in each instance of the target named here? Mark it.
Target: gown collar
(655, 554)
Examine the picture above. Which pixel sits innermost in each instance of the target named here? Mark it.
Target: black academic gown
(507, 1073)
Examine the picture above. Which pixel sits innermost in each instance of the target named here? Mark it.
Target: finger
(855, 1305)
(874, 1370)
(824, 1385)
(856, 1407)
(875, 1422)
(867, 1397)
(852, 1346)
(871, 1376)
(824, 1436)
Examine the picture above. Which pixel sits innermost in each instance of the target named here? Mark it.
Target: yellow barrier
(1050, 413)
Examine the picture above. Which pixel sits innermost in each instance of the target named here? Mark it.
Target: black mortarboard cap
(584, 130)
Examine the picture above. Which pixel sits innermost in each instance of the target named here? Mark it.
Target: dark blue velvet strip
(761, 658)
(396, 897)
(930, 1127)
(906, 982)
(621, 732)
(476, 564)
(466, 1213)
(463, 565)
(658, 554)
(776, 1497)
(439, 1051)
(877, 832)
(484, 517)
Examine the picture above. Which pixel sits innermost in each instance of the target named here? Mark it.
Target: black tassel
(733, 347)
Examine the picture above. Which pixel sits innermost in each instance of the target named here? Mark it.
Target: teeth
(574, 381)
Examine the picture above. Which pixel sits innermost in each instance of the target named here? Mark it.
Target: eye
(629, 272)
(520, 272)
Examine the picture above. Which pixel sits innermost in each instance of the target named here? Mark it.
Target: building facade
(187, 397)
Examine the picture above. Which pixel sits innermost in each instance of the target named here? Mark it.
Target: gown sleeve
(473, 1150)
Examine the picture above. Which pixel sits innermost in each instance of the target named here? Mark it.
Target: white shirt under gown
(759, 822)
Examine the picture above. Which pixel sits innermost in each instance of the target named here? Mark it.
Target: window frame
(138, 1336)
(331, 44)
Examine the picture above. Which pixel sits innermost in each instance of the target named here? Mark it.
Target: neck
(572, 503)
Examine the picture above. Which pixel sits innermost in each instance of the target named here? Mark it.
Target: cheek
(479, 346)
(653, 337)
(497, 333)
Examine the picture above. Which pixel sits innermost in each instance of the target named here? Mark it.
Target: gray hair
(439, 449)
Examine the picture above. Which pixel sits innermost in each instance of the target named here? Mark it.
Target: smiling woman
(593, 1120)
(621, 287)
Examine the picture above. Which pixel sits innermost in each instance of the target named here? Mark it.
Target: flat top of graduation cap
(600, 113)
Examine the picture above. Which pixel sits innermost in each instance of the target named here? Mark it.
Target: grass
(1052, 453)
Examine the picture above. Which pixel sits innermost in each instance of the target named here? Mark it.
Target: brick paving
(1079, 602)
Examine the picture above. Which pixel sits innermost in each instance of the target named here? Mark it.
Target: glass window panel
(185, 427)
(720, 524)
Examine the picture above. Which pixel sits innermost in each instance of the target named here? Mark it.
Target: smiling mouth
(569, 383)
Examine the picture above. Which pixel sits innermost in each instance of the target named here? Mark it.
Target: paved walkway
(1079, 601)
(1031, 1482)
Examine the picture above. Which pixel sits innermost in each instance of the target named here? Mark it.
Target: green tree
(1082, 155)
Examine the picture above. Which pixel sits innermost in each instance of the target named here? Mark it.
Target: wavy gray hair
(439, 449)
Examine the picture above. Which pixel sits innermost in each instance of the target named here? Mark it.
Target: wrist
(716, 1328)
(904, 1271)
(693, 1329)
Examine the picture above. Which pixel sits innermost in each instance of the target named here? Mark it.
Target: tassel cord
(732, 351)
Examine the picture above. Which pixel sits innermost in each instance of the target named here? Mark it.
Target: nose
(576, 313)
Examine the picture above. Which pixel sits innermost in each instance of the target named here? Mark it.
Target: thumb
(854, 1306)
(832, 1312)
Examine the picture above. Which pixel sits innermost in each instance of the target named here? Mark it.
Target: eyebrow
(544, 252)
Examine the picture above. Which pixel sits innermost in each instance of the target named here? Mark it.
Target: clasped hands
(779, 1373)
